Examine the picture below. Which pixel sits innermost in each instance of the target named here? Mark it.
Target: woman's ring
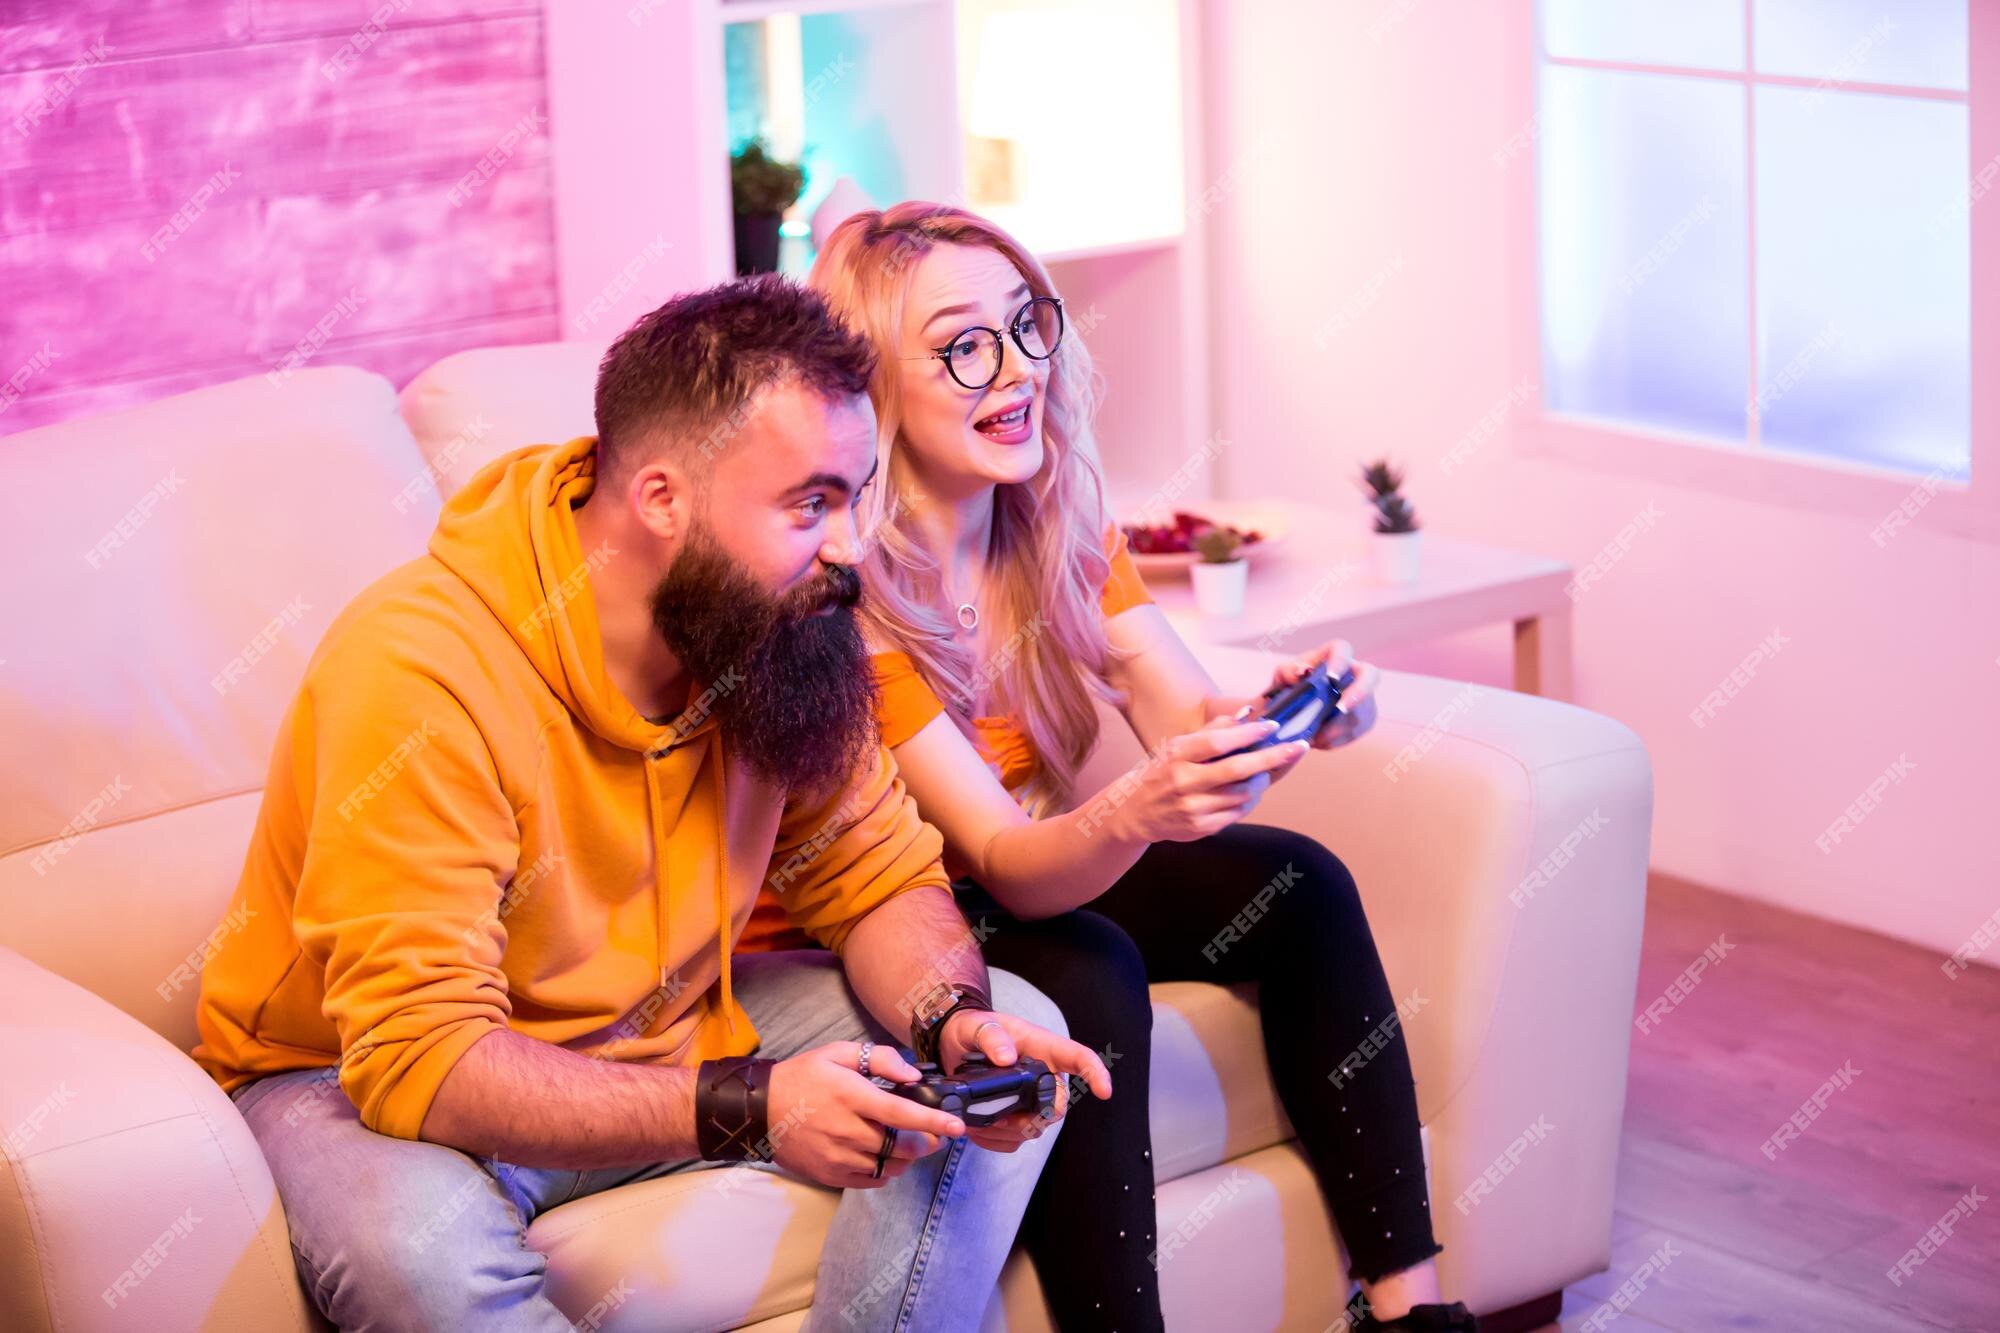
(867, 1049)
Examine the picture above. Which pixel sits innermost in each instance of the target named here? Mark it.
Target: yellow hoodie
(466, 826)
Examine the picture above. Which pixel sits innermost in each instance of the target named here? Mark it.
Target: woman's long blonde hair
(1046, 566)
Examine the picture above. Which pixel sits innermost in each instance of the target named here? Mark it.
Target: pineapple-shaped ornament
(1222, 574)
(1394, 545)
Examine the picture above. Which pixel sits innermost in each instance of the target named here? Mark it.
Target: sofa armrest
(132, 1194)
(1500, 843)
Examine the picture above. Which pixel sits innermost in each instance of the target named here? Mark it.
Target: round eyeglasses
(975, 355)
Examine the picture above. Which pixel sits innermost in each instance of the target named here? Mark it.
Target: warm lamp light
(1005, 107)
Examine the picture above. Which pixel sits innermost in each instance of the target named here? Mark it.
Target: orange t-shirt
(906, 705)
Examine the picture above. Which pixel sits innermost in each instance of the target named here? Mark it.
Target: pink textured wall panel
(196, 190)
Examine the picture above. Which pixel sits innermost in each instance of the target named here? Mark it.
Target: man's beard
(794, 695)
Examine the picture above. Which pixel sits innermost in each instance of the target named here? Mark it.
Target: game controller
(981, 1092)
(1300, 708)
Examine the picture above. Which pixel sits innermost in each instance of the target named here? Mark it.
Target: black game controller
(1300, 708)
(981, 1092)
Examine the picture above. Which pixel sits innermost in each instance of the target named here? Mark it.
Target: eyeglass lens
(974, 356)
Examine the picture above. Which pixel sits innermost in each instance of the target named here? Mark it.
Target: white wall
(1362, 137)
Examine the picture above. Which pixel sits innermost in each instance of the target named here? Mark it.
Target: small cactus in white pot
(1222, 575)
(1394, 547)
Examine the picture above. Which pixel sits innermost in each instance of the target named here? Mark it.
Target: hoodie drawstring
(715, 747)
(715, 753)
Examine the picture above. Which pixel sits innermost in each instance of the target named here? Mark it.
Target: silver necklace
(968, 614)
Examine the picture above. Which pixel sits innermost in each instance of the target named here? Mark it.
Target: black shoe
(1453, 1318)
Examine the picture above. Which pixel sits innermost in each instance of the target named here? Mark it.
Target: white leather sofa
(170, 569)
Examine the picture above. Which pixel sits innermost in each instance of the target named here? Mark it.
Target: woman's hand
(1356, 712)
(1186, 790)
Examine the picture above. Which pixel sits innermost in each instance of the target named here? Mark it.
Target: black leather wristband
(732, 1109)
(927, 1032)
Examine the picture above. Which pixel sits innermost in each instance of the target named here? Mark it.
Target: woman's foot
(1430, 1318)
(1395, 1294)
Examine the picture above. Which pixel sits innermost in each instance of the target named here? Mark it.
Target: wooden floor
(1804, 1242)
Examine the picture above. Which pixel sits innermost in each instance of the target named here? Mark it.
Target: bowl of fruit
(1167, 545)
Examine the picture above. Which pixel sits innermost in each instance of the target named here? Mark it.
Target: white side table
(1316, 585)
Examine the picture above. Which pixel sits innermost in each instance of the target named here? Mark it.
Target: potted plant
(1222, 574)
(1394, 547)
(761, 188)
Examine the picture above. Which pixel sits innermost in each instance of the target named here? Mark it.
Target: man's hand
(1002, 1038)
(826, 1120)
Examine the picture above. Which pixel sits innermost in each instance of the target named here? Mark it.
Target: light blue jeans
(393, 1234)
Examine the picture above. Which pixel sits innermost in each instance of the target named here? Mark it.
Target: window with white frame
(1754, 223)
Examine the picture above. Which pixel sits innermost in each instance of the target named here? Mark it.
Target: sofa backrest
(170, 570)
(473, 406)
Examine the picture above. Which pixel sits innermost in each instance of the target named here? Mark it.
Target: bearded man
(522, 804)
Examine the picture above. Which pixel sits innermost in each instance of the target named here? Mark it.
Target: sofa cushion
(473, 406)
(186, 556)
(1245, 1244)
(111, 1139)
(1212, 1097)
(702, 1249)
(708, 1249)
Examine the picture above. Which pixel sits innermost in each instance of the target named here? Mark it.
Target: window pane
(1864, 304)
(1920, 42)
(1706, 33)
(1644, 272)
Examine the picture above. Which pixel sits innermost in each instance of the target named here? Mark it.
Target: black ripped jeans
(1185, 912)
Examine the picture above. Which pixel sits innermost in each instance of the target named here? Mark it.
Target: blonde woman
(1001, 606)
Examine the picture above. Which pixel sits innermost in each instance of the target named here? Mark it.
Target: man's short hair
(682, 378)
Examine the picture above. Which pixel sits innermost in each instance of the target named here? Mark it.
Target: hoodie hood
(510, 533)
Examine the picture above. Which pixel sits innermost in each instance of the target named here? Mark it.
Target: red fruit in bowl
(1178, 537)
